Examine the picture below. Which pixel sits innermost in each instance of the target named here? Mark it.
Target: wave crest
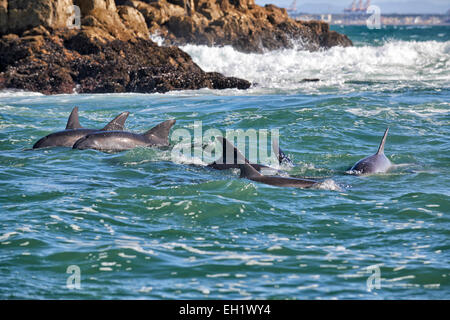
(347, 68)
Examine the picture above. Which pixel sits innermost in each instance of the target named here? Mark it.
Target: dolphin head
(65, 138)
(42, 143)
(377, 163)
(86, 142)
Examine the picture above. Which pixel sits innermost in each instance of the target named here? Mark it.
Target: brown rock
(87, 62)
(18, 16)
(240, 23)
(40, 30)
(87, 6)
(158, 13)
(134, 21)
(210, 9)
(110, 53)
(3, 16)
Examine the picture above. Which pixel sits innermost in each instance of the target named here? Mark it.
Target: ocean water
(144, 224)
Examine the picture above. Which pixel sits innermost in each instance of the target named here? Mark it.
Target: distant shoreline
(393, 19)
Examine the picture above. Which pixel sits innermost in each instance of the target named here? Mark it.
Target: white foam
(158, 39)
(7, 235)
(8, 93)
(393, 65)
(327, 184)
(336, 67)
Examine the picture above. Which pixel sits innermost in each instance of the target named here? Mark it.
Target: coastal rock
(17, 16)
(111, 52)
(3, 15)
(239, 23)
(133, 21)
(87, 6)
(101, 19)
(78, 62)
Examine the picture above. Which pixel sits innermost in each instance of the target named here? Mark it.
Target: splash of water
(347, 69)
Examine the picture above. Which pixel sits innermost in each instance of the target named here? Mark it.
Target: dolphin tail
(383, 141)
(117, 123)
(73, 122)
(161, 131)
(229, 149)
(247, 171)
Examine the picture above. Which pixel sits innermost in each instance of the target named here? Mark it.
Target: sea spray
(399, 61)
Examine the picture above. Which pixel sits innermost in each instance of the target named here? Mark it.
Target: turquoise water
(143, 224)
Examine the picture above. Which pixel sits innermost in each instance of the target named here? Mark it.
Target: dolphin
(248, 172)
(231, 162)
(75, 131)
(114, 141)
(281, 156)
(376, 163)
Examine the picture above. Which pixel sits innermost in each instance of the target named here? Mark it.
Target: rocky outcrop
(18, 16)
(3, 15)
(79, 62)
(110, 53)
(239, 23)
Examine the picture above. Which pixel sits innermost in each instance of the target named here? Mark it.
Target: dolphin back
(249, 172)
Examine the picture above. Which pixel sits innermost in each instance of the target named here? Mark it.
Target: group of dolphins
(113, 138)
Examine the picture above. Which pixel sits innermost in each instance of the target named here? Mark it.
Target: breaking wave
(394, 64)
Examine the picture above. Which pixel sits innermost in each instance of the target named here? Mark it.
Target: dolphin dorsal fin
(276, 149)
(161, 131)
(247, 171)
(383, 141)
(73, 122)
(117, 124)
(281, 156)
(229, 148)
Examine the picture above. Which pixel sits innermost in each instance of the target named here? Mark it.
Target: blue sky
(386, 6)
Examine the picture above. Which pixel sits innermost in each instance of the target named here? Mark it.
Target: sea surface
(148, 224)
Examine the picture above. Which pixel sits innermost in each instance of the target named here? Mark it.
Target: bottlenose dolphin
(248, 172)
(281, 156)
(123, 140)
(231, 158)
(75, 131)
(376, 163)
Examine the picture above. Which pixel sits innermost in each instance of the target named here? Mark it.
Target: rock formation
(76, 62)
(110, 53)
(41, 49)
(239, 23)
